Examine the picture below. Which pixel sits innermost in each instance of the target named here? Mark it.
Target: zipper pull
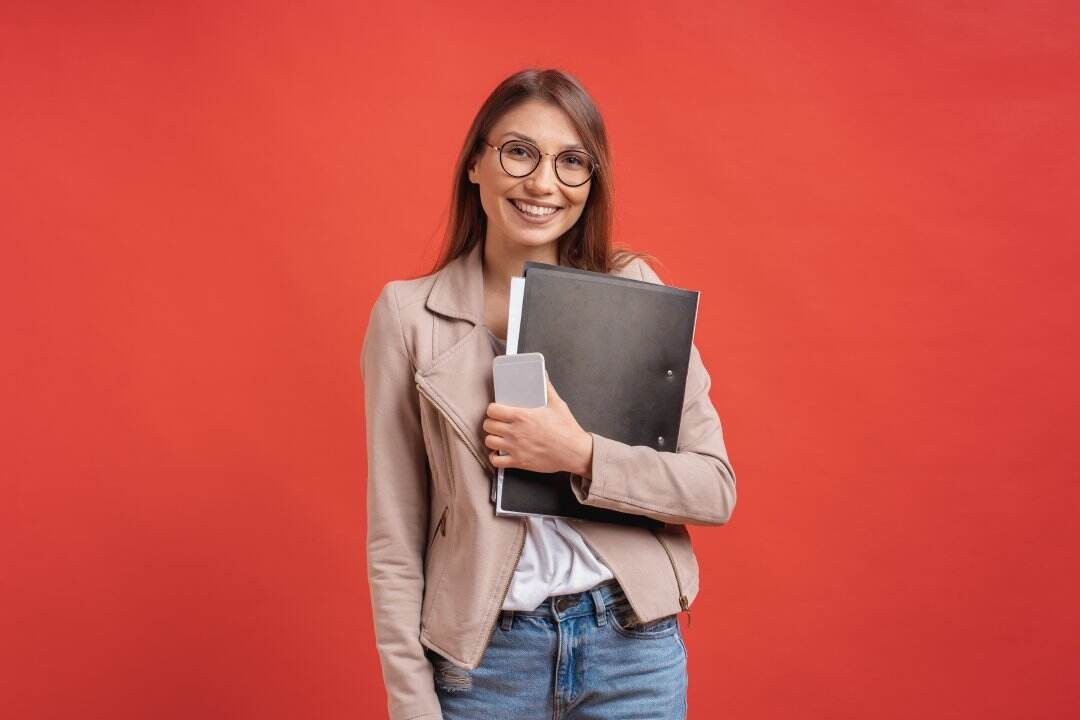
(440, 527)
(685, 605)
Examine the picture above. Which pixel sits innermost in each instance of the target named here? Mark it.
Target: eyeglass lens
(519, 159)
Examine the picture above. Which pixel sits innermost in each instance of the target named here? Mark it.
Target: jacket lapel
(458, 290)
(459, 379)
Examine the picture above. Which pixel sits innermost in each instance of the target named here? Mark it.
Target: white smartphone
(520, 380)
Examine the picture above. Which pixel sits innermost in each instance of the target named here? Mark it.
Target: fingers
(496, 427)
(506, 413)
(495, 442)
(501, 461)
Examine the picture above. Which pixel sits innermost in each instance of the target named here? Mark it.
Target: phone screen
(520, 380)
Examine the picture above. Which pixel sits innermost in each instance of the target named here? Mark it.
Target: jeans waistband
(587, 602)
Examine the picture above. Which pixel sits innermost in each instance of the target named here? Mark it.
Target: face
(508, 200)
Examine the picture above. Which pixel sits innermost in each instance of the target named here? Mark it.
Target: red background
(877, 200)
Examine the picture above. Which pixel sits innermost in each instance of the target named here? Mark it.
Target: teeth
(534, 210)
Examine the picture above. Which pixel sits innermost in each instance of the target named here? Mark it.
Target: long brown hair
(587, 245)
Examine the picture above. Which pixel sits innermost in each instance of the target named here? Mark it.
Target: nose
(542, 179)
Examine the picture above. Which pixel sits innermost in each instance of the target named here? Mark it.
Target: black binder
(617, 350)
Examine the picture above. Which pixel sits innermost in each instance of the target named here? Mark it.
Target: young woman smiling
(480, 616)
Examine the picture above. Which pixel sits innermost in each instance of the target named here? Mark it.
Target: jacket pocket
(434, 566)
(440, 527)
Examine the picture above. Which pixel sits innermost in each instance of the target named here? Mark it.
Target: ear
(473, 174)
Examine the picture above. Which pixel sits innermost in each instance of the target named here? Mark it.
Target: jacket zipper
(683, 602)
(449, 460)
(457, 431)
(490, 468)
(506, 586)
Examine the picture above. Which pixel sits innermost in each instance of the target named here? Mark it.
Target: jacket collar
(458, 290)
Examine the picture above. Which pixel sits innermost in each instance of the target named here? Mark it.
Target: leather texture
(439, 560)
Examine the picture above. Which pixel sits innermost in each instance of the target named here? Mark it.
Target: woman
(479, 616)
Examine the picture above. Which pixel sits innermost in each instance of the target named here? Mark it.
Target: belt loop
(598, 604)
(507, 619)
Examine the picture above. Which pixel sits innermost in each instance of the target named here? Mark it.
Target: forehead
(542, 121)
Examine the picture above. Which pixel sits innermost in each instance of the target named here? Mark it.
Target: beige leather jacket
(439, 560)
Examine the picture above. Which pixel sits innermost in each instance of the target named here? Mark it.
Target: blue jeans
(576, 657)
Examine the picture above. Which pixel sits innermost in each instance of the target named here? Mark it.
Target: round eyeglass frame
(539, 159)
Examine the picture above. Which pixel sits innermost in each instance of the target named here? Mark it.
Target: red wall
(200, 201)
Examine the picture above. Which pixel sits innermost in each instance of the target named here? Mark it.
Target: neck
(504, 260)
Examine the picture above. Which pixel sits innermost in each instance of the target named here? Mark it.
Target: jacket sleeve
(397, 513)
(694, 485)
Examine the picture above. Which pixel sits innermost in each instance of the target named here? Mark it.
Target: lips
(534, 219)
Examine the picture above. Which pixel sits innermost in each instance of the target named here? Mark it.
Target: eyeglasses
(519, 158)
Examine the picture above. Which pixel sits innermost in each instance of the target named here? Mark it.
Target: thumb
(553, 394)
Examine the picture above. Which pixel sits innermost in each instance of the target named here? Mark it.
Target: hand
(544, 439)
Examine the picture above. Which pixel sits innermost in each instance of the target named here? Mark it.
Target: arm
(397, 513)
(694, 485)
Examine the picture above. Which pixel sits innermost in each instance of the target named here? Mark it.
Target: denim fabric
(581, 656)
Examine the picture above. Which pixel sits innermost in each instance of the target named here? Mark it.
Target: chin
(534, 241)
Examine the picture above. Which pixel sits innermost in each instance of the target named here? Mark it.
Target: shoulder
(396, 313)
(403, 298)
(405, 293)
(638, 268)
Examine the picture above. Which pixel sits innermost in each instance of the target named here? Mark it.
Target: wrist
(583, 456)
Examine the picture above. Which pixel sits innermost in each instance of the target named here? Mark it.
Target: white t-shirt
(556, 560)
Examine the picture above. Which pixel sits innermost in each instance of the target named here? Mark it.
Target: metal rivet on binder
(669, 373)
(660, 440)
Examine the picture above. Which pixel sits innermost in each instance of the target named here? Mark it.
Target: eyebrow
(534, 142)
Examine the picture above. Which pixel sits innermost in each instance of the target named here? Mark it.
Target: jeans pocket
(448, 677)
(625, 622)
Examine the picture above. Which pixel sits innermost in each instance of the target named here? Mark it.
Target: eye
(518, 151)
(575, 161)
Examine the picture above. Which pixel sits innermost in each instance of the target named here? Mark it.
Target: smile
(534, 213)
